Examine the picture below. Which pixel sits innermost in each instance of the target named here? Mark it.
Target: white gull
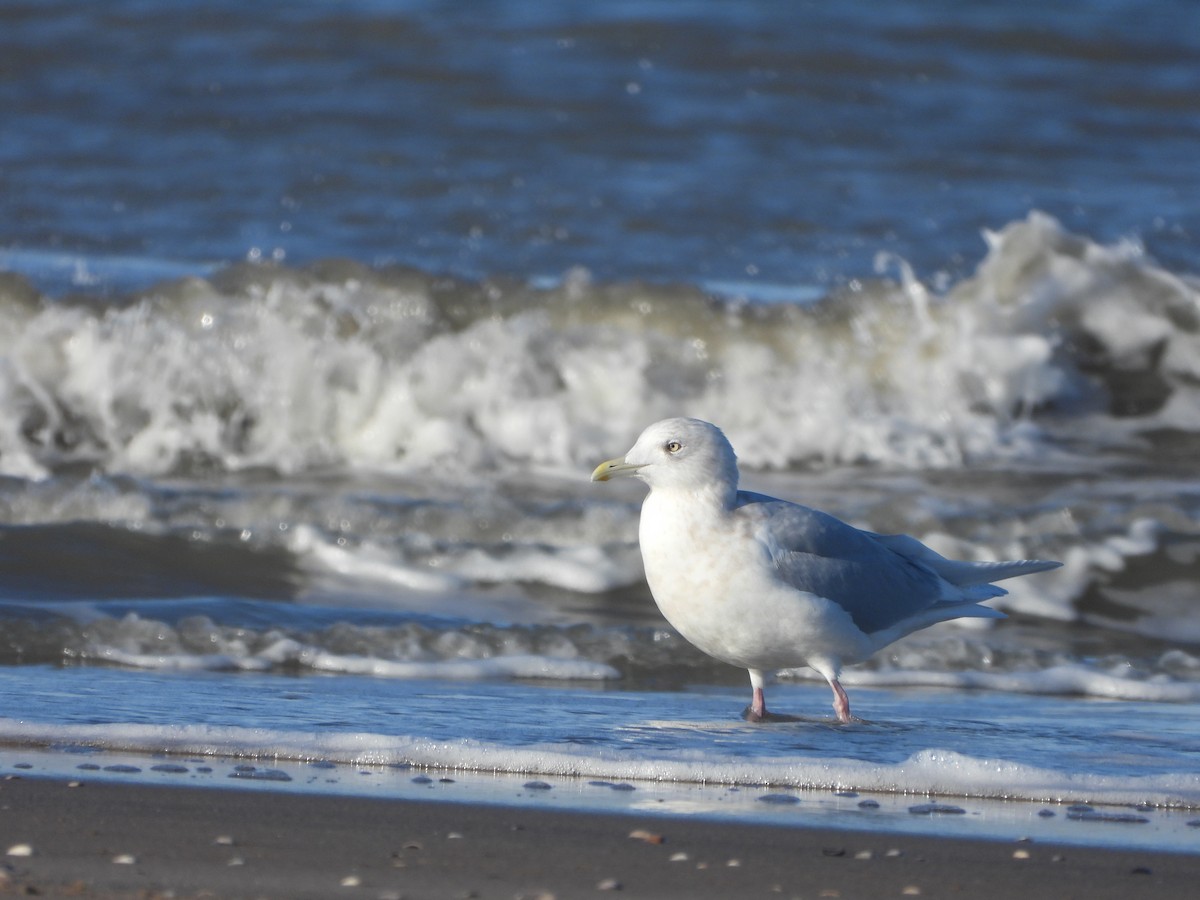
(765, 584)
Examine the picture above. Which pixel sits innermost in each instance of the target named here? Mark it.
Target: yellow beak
(611, 468)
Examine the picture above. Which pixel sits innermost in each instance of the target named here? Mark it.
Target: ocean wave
(290, 655)
(338, 365)
(529, 554)
(416, 648)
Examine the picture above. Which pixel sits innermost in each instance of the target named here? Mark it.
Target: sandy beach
(79, 839)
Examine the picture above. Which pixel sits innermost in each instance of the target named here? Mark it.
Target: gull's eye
(674, 446)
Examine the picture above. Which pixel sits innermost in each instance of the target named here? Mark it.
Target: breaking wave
(1054, 337)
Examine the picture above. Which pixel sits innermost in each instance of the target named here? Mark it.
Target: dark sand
(202, 842)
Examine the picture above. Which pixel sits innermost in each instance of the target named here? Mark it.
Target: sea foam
(932, 771)
(347, 366)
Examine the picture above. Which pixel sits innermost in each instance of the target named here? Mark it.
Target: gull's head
(677, 453)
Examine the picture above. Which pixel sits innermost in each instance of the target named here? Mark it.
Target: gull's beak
(611, 468)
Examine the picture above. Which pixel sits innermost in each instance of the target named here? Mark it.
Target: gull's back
(876, 584)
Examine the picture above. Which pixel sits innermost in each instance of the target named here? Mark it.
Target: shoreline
(1067, 822)
(117, 840)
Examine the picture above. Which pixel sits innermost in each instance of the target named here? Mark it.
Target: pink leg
(758, 705)
(841, 703)
(757, 710)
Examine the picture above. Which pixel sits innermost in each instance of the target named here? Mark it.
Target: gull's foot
(851, 720)
(751, 716)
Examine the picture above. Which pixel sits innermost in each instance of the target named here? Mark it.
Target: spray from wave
(343, 366)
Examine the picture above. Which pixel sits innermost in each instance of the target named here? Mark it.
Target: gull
(765, 584)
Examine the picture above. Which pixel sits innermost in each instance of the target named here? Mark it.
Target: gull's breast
(715, 581)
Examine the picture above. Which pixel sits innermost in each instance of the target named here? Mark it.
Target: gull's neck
(717, 497)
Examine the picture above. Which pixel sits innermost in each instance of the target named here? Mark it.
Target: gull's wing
(876, 581)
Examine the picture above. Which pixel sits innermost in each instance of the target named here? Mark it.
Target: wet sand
(79, 839)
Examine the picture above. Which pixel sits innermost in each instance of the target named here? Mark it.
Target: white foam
(930, 771)
(288, 652)
(293, 373)
(175, 662)
(369, 563)
(1073, 679)
(472, 670)
(585, 568)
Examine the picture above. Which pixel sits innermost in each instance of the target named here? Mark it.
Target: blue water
(314, 318)
(1103, 773)
(620, 731)
(782, 143)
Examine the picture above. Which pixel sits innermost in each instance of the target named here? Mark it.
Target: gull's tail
(962, 573)
(965, 585)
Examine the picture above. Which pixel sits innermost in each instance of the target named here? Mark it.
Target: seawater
(752, 144)
(991, 767)
(313, 323)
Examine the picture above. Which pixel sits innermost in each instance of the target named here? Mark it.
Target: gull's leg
(841, 703)
(830, 669)
(757, 710)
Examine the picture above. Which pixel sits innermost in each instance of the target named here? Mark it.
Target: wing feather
(875, 583)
